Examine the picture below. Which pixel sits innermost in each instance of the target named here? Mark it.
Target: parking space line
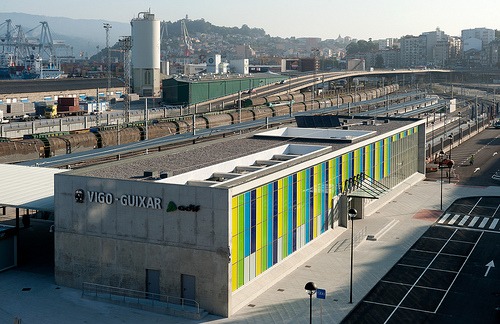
(421, 275)
(458, 273)
(475, 205)
(430, 288)
(454, 255)
(494, 223)
(402, 307)
(395, 283)
(443, 218)
(483, 223)
(496, 210)
(454, 219)
(462, 222)
(473, 221)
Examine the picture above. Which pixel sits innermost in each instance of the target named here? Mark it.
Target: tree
(379, 61)
(361, 46)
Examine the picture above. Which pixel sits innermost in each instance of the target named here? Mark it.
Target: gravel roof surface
(196, 156)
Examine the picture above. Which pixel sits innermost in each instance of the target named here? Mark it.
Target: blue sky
(314, 18)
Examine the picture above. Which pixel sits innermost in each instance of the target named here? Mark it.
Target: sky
(327, 19)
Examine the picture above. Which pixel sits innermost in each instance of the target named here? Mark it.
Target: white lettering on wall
(100, 197)
(141, 201)
(125, 200)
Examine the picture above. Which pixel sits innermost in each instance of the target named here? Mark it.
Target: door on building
(152, 283)
(188, 287)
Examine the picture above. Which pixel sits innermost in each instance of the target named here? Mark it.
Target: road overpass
(37, 90)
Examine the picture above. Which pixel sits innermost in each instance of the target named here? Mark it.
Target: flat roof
(207, 154)
(319, 133)
(27, 187)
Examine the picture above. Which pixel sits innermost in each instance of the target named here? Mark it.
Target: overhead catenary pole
(126, 45)
(107, 26)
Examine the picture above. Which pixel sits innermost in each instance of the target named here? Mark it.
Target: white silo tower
(146, 55)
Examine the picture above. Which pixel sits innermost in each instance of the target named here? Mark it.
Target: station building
(219, 221)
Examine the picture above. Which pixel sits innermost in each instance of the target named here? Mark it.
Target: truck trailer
(66, 106)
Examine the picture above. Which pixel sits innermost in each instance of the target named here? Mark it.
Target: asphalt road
(486, 149)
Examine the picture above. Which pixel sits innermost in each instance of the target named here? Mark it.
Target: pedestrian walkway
(478, 222)
(34, 298)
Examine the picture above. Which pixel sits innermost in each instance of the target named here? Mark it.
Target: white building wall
(472, 43)
(113, 244)
(486, 35)
(213, 63)
(240, 66)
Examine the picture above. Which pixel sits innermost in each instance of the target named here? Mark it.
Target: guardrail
(142, 299)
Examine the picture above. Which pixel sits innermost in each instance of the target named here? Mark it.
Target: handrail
(89, 289)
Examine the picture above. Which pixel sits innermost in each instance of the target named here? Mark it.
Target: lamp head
(311, 288)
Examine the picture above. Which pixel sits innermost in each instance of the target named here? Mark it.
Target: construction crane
(186, 40)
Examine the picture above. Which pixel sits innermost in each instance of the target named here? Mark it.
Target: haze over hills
(88, 37)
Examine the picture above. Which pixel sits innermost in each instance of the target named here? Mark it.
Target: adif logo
(79, 196)
(173, 207)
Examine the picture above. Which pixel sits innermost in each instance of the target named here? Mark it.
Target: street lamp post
(311, 290)
(441, 155)
(450, 165)
(459, 128)
(352, 214)
(432, 141)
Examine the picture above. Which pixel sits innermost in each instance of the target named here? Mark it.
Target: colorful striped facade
(274, 220)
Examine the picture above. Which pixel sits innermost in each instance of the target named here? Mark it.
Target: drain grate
(251, 305)
(308, 266)
(281, 289)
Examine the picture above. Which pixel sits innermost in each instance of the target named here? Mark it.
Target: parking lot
(448, 275)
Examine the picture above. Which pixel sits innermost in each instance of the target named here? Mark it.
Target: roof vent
(152, 174)
(166, 174)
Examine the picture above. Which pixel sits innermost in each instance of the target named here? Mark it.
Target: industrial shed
(190, 91)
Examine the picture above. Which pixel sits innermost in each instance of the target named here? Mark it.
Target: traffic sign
(321, 293)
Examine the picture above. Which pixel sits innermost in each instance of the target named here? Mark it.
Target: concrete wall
(112, 244)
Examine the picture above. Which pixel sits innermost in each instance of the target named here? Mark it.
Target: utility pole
(315, 52)
(108, 27)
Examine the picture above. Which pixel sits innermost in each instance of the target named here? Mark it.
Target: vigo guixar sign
(127, 200)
